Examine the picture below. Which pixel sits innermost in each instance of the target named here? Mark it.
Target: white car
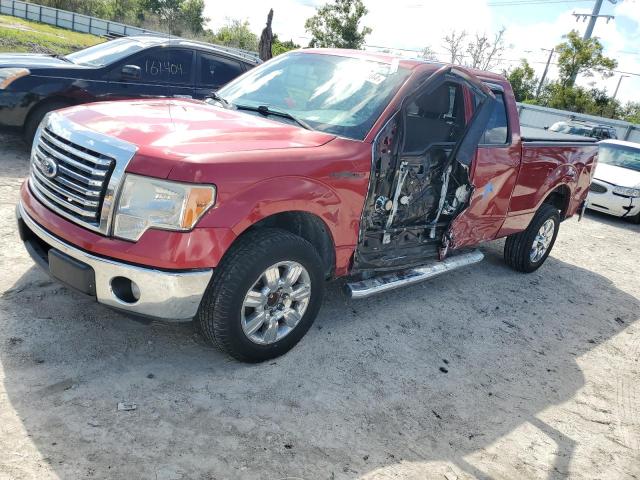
(615, 188)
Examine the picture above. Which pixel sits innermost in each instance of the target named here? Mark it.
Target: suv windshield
(105, 53)
(334, 94)
(619, 156)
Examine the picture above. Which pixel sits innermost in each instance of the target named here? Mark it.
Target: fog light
(125, 290)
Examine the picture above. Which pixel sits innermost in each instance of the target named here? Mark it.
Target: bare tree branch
(453, 44)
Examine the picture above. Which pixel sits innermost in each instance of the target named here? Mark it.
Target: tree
(278, 47)
(169, 11)
(337, 25)
(483, 53)
(428, 53)
(631, 112)
(582, 57)
(453, 43)
(192, 15)
(236, 34)
(523, 81)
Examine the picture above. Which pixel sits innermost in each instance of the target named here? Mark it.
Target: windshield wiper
(215, 97)
(266, 111)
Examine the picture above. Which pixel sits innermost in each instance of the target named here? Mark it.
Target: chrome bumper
(162, 294)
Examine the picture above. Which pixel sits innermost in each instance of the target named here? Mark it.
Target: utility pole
(593, 17)
(618, 86)
(595, 14)
(546, 69)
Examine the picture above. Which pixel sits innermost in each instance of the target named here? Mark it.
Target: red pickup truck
(315, 165)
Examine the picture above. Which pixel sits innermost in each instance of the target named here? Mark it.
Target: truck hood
(190, 130)
(35, 61)
(623, 177)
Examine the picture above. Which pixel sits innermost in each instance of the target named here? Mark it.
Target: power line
(513, 3)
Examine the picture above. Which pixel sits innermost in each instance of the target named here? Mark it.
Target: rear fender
(459, 234)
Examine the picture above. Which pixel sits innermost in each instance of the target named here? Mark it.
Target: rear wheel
(36, 116)
(264, 295)
(527, 251)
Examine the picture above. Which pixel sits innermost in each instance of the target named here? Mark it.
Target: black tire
(518, 247)
(635, 219)
(219, 315)
(36, 116)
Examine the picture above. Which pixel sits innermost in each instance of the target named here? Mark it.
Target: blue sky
(414, 24)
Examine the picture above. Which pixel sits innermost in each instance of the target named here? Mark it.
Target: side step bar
(391, 281)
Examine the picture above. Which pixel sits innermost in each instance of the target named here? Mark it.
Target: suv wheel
(264, 295)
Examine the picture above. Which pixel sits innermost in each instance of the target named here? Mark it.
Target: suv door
(152, 81)
(179, 65)
(214, 71)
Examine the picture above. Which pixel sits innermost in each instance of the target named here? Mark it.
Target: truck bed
(532, 134)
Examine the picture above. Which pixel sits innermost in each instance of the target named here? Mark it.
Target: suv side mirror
(546, 127)
(131, 72)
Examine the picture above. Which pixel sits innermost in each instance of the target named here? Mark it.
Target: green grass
(18, 35)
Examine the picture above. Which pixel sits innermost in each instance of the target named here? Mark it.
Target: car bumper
(168, 295)
(611, 203)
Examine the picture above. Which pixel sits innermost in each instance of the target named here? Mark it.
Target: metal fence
(540, 117)
(86, 24)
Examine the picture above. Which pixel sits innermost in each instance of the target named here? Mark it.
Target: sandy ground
(485, 373)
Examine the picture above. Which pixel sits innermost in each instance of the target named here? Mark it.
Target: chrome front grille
(77, 182)
(77, 172)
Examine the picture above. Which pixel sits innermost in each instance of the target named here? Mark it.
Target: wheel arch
(44, 102)
(305, 225)
(559, 197)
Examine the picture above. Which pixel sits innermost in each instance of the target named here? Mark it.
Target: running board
(391, 281)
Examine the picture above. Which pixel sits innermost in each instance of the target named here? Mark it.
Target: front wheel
(264, 295)
(526, 251)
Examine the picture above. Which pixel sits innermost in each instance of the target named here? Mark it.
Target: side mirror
(131, 72)
(546, 127)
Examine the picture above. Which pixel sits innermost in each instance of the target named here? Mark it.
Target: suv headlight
(627, 192)
(8, 75)
(147, 202)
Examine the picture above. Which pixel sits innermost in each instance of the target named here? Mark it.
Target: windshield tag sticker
(376, 78)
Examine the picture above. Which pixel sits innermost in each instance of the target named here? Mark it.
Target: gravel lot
(485, 373)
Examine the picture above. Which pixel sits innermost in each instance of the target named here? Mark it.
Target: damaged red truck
(315, 165)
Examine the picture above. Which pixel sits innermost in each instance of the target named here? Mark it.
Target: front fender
(283, 194)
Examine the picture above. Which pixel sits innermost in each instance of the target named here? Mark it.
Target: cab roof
(154, 40)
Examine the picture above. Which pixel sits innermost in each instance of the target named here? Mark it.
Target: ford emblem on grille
(48, 167)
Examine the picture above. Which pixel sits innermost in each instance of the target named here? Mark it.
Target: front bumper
(168, 295)
(611, 203)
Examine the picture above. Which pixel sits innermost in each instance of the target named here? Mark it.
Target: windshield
(105, 53)
(619, 156)
(339, 95)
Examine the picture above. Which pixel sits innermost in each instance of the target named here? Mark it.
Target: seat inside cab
(436, 117)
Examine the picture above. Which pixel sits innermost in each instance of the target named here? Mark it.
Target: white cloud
(414, 24)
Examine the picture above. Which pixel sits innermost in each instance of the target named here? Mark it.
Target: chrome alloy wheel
(542, 240)
(276, 302)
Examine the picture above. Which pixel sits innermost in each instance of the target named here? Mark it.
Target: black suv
(132, 67)
(601, 132)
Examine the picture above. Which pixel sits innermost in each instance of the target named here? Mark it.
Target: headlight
(152, 203)
(627, 192)
(8, 75)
